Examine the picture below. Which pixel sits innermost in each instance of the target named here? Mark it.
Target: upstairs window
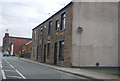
(35, 35)
(63, 18)
(41, 30)
(49, 27)
(57, 25)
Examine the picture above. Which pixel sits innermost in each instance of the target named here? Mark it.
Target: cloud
(21, 16)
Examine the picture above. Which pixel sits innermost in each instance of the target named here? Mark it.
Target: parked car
(6, 53)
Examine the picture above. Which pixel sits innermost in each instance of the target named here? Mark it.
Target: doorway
(55, 54)
(37, 51)
(44, 53)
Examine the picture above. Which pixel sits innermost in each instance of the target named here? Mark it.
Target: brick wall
(16, 41)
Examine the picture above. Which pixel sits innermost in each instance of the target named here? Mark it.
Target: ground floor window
(61, 50)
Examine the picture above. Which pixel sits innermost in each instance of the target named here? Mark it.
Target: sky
(21, 16)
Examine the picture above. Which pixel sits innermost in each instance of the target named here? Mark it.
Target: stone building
(82, 34)
(13, 44)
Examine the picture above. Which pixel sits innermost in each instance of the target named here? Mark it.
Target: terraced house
(82, 34)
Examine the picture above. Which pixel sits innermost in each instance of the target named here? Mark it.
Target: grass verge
(112, 72)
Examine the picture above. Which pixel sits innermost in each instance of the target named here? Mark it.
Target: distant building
(82, 34)
(13, 44)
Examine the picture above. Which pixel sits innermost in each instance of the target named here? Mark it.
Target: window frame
(63, 21)
(61, 50)
(49, 27)
(56, 25)
(41, 30)
(35, 34)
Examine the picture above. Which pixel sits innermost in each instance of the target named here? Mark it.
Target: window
(49, 27)
(63, 21)
(57, 25)
(61, 50)
(35, 35)
(48, 50)
(41, 30)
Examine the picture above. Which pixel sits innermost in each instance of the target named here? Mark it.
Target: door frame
(44, 54)
(55, 53)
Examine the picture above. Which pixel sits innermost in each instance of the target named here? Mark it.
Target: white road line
(14, 76)
(15, 70)
(3, 74)
(1, 66)
(11, 66)
(20, 74)
(7, 62)
(10, 70)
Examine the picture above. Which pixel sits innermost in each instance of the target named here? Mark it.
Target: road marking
(1, 65)
(20, 74)
(7, 62)
(3, 74)
(14, 76)
(11, 66)
(15, 70)
(10, 70)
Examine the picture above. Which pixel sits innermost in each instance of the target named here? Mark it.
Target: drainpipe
(79, 30)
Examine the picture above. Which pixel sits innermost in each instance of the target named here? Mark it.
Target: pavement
(79, 72)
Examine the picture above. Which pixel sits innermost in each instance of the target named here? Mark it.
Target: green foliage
(31, 49)
(113, 72)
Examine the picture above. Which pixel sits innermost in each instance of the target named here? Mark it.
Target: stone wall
(55, 37)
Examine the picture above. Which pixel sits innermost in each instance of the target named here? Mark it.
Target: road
(15, 68)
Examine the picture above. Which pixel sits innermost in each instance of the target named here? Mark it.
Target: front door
(44, 53)
(37, 52)
(55, 53)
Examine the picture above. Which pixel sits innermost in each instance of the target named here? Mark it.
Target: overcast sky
(21, 16)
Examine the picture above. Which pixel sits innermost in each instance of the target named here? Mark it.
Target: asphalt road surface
(15, 68)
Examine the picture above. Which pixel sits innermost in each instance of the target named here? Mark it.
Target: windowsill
(61, 59)
(56, 30)
(62, 30)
